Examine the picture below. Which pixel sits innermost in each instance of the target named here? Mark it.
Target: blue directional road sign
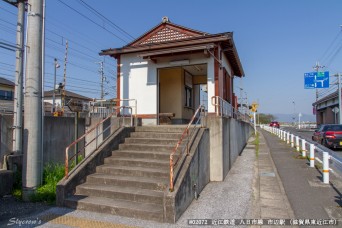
(318, 80)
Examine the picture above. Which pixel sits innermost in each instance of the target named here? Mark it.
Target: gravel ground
(12, 208)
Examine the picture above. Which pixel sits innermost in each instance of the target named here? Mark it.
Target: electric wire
(106, 19)
(78, 12)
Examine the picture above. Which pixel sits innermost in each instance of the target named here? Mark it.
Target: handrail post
(187, 143)
(297, 143)
(96, 136)
(66, 170)
(303, 148)
(325, 170)
(292, 140)
(171, 172)
(288, 138)
(312, 155)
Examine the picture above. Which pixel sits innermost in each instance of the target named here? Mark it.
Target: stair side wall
(195, 171)
(67, 187)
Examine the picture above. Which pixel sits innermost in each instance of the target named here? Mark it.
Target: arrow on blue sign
(314, 80)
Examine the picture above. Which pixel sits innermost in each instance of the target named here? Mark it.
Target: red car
(329, 135)
(274, 124)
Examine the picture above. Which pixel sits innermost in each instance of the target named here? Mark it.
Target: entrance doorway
(180, 91)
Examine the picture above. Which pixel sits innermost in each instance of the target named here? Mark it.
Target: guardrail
(200, 112)
(97, 133)
(327, 159)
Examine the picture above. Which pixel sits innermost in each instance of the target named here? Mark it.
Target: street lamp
(294, 112)
(54, 86)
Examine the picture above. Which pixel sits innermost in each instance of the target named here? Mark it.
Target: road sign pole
(339, 99)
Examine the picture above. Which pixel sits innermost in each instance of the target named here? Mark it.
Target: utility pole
(64, 77)
(19, 75)
(56, 65)
(316, 68)
(32, 104)
(102, 78)
(339, 98)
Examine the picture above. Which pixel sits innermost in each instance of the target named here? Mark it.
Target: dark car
(274, 124)
(329, 135)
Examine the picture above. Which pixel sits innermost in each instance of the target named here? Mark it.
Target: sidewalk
(268, 183)
(308, 196)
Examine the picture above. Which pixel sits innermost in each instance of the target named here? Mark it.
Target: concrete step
(165, 129)
(119, 192)
(133, 171)
(152, 183)
(142, 154)
(147, 147)
(137, 162)
(154, 141)
(156, 135)
(116, 207)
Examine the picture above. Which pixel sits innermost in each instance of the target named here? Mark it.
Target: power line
(78, 12)
(106, 19)
(8, 11)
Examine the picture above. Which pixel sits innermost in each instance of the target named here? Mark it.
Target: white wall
(139, 79)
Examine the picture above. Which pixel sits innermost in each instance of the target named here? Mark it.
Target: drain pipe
(195, 189)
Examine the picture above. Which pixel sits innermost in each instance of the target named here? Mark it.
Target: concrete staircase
(133, 180)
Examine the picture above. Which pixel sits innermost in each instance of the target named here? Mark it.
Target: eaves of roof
(326, 98)
(224, 39)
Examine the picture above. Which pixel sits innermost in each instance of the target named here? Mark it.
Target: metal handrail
(67, 159)
(222, 107)
(135, 106)
(200, 110)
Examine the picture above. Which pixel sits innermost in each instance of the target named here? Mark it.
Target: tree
(266, 118)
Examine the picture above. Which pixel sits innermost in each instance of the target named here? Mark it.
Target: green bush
(51, 175)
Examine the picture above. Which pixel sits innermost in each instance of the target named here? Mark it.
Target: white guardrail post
(303, 148)
(325, 170)
(288, 138)
(312, 155)
(292, 140)
(297, 143)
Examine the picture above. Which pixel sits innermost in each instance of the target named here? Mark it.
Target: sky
(277, 42)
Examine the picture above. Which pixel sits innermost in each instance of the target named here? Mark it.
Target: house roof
(167, 36)
(4, 81)
(68, 94)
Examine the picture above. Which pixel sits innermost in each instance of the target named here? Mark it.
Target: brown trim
(118, 68)
(216, 72)
(223, 37)
(147, 116)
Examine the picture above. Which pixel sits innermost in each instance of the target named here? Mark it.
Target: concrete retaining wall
(194, 176)
(6, 182)
(6, 131)
(58, 134)
(228, 137)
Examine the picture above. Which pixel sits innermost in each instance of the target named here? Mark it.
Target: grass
(52, 174)
(256, 143)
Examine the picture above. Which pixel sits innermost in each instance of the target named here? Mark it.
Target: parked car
(274, 124)
(329, 135)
